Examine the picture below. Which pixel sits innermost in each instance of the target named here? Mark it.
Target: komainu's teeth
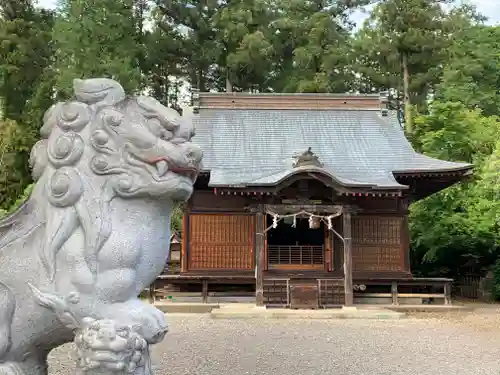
(162, 167)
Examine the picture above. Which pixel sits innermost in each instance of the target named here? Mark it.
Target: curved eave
(282, 177)
(462, 170)
(424, 184)
(277, 181)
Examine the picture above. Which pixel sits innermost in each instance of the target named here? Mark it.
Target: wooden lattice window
(222, 241)
(307, 256)
(377, 243)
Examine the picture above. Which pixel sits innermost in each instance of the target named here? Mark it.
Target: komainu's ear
(100, 91)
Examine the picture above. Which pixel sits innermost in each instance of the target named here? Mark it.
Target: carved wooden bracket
(286, 209)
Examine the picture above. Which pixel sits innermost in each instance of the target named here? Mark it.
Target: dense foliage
(19, 201)
(96, 39)
(441, 65)
(25, 87)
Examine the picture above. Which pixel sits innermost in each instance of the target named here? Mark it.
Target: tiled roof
(256, 147)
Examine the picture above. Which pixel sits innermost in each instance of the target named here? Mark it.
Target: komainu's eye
(154, 126)
(158, 130)
(165, 135)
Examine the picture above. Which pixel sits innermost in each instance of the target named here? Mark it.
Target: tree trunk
(200, 78)
(229, 85)
(406, 93)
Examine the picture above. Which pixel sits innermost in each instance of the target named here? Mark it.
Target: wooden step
(331, 292)
(276, 292)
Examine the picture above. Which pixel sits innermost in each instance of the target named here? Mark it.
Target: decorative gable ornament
(307, 159)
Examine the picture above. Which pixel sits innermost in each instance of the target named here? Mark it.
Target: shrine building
(304, 198)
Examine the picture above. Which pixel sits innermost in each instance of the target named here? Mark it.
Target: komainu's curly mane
(61, 201)
(81, 163)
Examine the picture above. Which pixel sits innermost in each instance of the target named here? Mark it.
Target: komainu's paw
(150, 321)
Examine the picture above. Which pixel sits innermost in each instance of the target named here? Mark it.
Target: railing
(172, 268)
(468, 286)
(295, 255)
(425, 290)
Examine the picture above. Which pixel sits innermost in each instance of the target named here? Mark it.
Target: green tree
(15, 205)
(244, 40)
(224, 44)
(176, 224)
(403, 45)
(164, 60)
(472, 74)
(25, 53)
(451, 131)
(458, 226)
(25, 88)
(264, 45)
(487, 190)
(14, 171)
(198, 50)
(312, 42)
(97, 39)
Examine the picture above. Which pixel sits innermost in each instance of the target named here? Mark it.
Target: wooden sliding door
(221, 242)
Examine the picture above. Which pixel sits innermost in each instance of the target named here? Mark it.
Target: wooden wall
(380, 237)
(221, 242)
(377, 244)
(222, 235)
(207, 201)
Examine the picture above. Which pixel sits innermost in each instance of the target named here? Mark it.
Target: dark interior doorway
(299, 245)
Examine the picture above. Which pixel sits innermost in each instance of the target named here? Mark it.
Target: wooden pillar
(185, 241)
(186, 235)
(346, 218)
(447, 293)
(152, 293)
(394, 293)
(405, 235)
(260, 224)
(204, 290)
(328, 250)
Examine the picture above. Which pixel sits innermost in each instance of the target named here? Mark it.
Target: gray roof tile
(245, 147)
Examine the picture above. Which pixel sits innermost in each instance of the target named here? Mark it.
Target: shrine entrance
(296, 243)
(299, 236)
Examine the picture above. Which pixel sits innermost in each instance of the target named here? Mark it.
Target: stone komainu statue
(94, 232)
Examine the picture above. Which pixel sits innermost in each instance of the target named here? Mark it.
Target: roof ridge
(299, 94)
(283, 101)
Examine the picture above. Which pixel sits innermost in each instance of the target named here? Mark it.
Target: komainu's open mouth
(164, 165)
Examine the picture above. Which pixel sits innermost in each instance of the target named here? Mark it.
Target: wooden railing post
(152, 293)
(185, 238)
(347, 232)
(394, 293)
(447, 293)
(204, 290)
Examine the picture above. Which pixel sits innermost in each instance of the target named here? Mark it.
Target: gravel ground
(198, 345)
